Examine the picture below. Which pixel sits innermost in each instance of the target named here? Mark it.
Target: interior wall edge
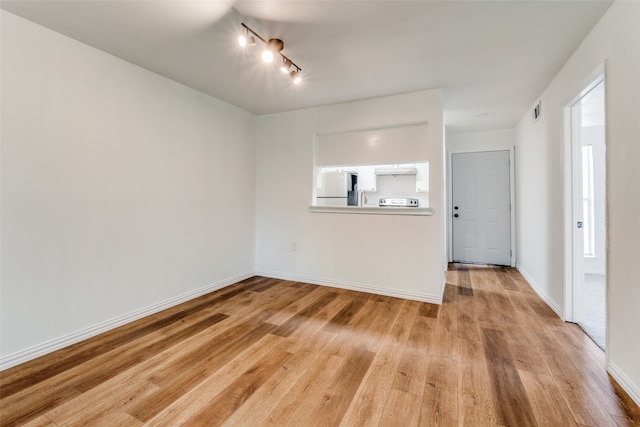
(553, 305)
(352, 286)
(50, 346)
(624, 381)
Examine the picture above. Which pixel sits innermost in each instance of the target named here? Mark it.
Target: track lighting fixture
(271, 48)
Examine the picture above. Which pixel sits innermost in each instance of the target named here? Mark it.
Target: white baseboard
(66, 340)
(633, 390)
(433, 299)
(546, 298)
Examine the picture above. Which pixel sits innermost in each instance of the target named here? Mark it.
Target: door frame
(573, 268)
(512, 198)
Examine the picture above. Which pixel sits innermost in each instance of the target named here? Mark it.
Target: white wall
(540, 153)
(121, 191)
(394, 255)
(495, 140)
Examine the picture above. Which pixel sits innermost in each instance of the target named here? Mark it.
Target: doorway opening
(586, 243)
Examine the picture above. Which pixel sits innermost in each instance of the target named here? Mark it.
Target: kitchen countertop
(372, 210)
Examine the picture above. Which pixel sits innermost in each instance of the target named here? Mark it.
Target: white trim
(512, 194)
(372, 210)
(315, 166)
(567, 204)
(571, 263)
(625, 382)
(361, 287)
(546, 298)
(74, 337)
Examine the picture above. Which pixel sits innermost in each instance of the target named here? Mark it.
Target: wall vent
(537, 111)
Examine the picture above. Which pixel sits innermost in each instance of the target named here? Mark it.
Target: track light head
(246, 39)
(286, 65)
(295, 76)
(267, 56)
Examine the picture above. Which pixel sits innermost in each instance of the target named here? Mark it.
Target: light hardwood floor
(268, 352)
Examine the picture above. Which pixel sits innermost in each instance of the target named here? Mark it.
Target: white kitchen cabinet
(367, 178)
(422, 177)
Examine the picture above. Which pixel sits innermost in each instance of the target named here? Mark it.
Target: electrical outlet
(294, 246)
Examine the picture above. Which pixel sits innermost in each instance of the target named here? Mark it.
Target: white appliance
(399, 202)
(337, 189)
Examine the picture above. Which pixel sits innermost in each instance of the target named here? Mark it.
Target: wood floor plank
(41, 421)
(445, 342)
(429, 310)
(303, 297)
(294, 408)
(114, 419)
(38, 370)
(236, 393)
(522, 357)
(122, 361)
(227, 338)
(331, 406)
(521, 305)
(89, 408)
(354, 334)
(304, 315)
(267, 397)
(210, 385)
(379, 325)
(369, 402)
(33, 402)
(624, 421)
(400, 406)
(412, 370)
(311, 330)
(631, 410)
(440, 398)
(510, 400)
(505, 280)
(591, 361)
(201, 366)
(346, 314)
(104, 350)
(467, 326)
(579, 393)
(270, 352)
(475, 401)
(548, 406)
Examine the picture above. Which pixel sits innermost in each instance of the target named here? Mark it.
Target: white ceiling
(490, 57)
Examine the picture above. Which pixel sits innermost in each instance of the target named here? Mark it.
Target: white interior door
(481, 208)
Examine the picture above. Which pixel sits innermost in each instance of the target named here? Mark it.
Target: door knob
(455, 215)
(455, 207)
